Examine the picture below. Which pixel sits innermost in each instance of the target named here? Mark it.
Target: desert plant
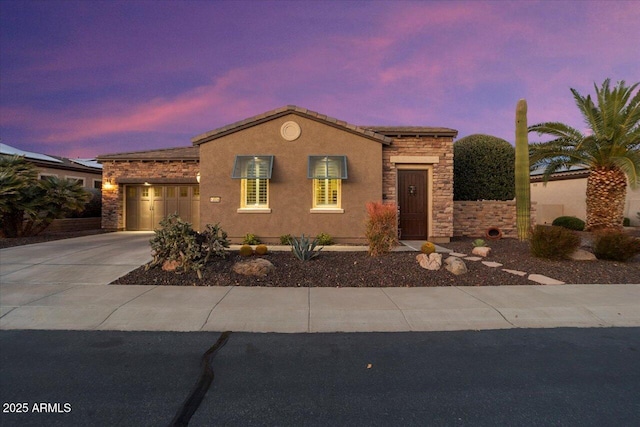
(324, 239)
(261, 249)
(285, 239)
(304, 248)
(250, 239)
(484, 168)
(615, 245)
(570, 222)
(553, 242)
(523, 186)
(213, 241)
(176, 240)
(245, 250)
(427, 248)
(609, 150)
(478, 243)
(381, 227)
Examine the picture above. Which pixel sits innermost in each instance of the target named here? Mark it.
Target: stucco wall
(428, 152)
(290, 191)
(568, 197)
(114, 172)
(472, 218)
(62, 173)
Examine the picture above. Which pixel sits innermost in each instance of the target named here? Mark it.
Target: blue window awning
(327, 167)
(252, 167)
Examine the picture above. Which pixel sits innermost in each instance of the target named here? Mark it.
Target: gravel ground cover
(396, 269)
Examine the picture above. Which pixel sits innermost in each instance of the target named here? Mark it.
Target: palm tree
(610, 150)
(28, 205)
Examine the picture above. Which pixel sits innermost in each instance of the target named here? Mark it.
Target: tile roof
(392, 131)
(177, 153)
(282, 111)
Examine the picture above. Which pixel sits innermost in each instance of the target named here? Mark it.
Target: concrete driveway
(62, 285)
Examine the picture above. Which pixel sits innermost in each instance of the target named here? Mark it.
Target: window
(77, 179)
(327, 173)
(97, 184)
(255, 173)
(44, 176)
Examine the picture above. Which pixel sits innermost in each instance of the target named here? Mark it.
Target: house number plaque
(215, 199)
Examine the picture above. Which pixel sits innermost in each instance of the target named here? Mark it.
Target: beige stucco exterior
(290, 191)
(567, 197)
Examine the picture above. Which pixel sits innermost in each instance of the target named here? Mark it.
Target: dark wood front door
(412, 201)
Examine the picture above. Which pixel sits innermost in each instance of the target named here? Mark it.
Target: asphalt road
(507, 377)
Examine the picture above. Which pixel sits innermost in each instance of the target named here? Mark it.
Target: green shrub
(553, 242)
(250, 239)
(478, 242)
(570, 222)
(304, 249)
(93, 208)
(261, 249)
(484, 168)
(285, 239)
(381, 227)
(246, 250)
(427, 248)
(176, 240)
(324, 239)
(615, 246)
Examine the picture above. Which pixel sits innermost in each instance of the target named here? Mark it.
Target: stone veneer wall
(472, 218)
(442, 191)
(155, 171)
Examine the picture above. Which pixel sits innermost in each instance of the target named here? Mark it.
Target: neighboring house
(565, 195)
(87, 171)
(289, 171)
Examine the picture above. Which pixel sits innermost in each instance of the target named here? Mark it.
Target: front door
(412, 203)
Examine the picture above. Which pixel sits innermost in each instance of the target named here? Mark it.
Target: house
(565, 195)
(87, 171)
(288, 171)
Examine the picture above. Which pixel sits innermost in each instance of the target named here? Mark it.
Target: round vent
(290, 131)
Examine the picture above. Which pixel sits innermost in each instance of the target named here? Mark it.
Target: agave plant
(304, 248)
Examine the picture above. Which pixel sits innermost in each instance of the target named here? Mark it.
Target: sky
(84, 78)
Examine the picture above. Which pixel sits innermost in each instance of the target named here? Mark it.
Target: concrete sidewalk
(62, 285)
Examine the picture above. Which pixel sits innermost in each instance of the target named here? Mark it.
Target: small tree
(483, 168)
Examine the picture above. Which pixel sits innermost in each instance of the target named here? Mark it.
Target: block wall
(473, 218)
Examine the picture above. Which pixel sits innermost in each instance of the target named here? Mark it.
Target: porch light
(198, 177)
(108, 185)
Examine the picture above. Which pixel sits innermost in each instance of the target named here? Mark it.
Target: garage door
(147, 205)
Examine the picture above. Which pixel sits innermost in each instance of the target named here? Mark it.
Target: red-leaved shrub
(381, 227)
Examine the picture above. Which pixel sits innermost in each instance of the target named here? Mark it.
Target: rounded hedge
(570, 222)
(483, 168)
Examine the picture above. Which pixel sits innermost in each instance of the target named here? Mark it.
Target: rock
(544, 280)
(492, 264)
(457, 254)
(170, 265)
(516, 272)
(430, 262)
(482, 251)
(455, 265)
(582, 255)
(255, 267)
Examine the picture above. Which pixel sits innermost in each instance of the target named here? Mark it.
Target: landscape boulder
(582, 255)
(430, 262)
(256, 267)
(455, 265)
(482, 251)
(170, 265)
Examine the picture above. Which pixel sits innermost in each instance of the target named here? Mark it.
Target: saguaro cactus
(523, 190)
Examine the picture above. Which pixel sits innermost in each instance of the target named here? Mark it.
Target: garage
(147, 205)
